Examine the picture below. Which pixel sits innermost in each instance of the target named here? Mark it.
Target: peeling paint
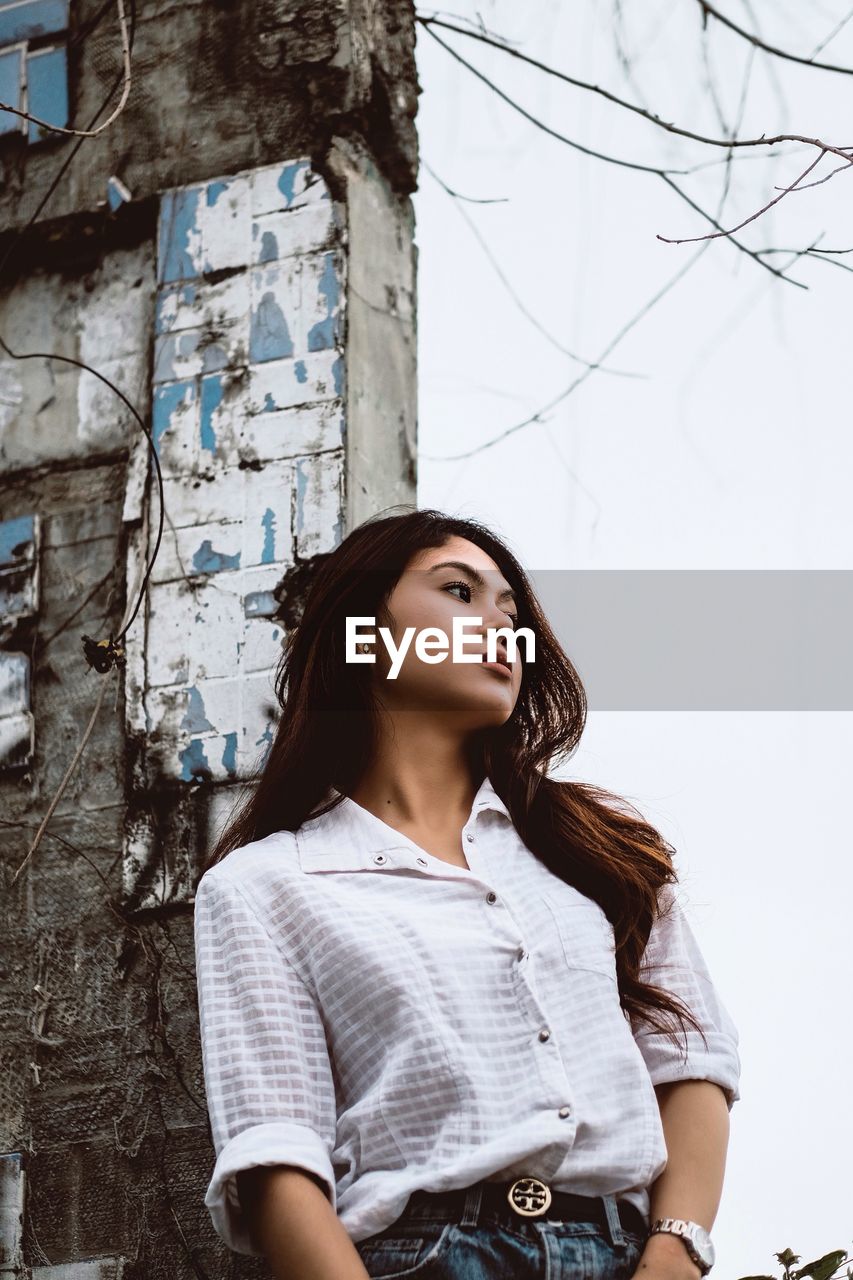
(246, 379)
(324, 333)
(212, 394)
(168, 300)
(269, 248)
(179, 242)
(166, 403)
(214, 191)
(287, 181)
(268, 524)
(229, 755)
(195, 721)
(266, 739)
(206, 560)
(270, 337)
(194, 763)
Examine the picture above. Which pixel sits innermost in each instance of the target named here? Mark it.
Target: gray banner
(705, 640)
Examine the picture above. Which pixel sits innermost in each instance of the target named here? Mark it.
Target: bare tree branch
(783, 191)
(708, 10)
(499, 272)
(763, 141)
(664, 174)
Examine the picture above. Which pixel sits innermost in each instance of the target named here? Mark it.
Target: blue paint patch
(195, 767)
(300, 371)
(338, 375)
(229, 755)
(267, 737)
(211, 398)
(214, 191)
(195, 720)
(268, 525)
(178, 212)
(269, 337)
(169, 349)
(270, 405)
(185, 295)
(214, 358)
(16, 538)
(287, 180)
(269, 248)
(259, 604)
(323, 335)
(206, 560)
(167, 401)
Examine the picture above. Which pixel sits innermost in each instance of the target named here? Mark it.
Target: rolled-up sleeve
(673, 960)
(267, 1074)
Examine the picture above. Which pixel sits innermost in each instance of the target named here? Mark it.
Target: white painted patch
(239, 379)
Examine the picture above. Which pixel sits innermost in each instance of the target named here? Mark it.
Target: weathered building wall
(255, 81)
(255, 301)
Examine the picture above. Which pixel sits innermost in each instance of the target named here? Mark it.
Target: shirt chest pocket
(585, 932)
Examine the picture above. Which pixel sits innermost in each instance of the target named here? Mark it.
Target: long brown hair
(329, 723)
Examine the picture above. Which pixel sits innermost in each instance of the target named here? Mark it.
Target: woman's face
(431, 593)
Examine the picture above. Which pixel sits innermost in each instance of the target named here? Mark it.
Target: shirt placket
(557, 1094)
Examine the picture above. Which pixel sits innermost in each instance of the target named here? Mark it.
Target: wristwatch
(697, 1242)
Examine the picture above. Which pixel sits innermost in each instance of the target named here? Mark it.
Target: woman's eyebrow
(474, 575)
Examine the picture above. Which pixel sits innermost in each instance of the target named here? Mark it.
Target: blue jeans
(490, 1244)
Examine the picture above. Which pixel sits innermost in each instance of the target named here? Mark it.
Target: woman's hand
(665, 1257)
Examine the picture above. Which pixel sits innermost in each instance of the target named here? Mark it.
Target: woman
(431, 1046)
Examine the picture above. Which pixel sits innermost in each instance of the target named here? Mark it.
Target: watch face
(703, 1244)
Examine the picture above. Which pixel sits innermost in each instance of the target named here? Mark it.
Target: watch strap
(681, 1227)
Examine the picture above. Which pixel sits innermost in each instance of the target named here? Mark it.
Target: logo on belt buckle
(529, 1197)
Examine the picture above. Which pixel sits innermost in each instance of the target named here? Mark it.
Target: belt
(530, 1197)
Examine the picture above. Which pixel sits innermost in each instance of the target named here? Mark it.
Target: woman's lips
(499, 666)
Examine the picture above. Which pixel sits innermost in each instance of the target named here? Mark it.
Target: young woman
(437, 988)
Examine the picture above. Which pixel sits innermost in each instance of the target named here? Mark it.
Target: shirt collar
(349, 837)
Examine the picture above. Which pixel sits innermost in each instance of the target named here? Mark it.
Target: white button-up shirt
(390, 1021)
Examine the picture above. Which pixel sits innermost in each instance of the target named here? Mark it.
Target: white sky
(733, 450)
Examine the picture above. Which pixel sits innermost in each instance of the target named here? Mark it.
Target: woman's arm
(695, 1118)
(295, 1227)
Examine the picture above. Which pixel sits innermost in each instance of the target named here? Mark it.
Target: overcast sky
(730, 448)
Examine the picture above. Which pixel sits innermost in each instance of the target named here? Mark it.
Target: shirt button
(422, 861)
(563, 1112)
(379, 857)
(544, 1034)
(469, 837)
(491, 897)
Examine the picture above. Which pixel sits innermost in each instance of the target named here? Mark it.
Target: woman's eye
(466, 586)
(513, 617)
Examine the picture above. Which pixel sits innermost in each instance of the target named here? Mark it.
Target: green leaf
(823, 1267)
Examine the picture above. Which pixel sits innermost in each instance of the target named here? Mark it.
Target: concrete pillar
(236, 254)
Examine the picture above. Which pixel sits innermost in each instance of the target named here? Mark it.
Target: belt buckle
(529, 1197)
